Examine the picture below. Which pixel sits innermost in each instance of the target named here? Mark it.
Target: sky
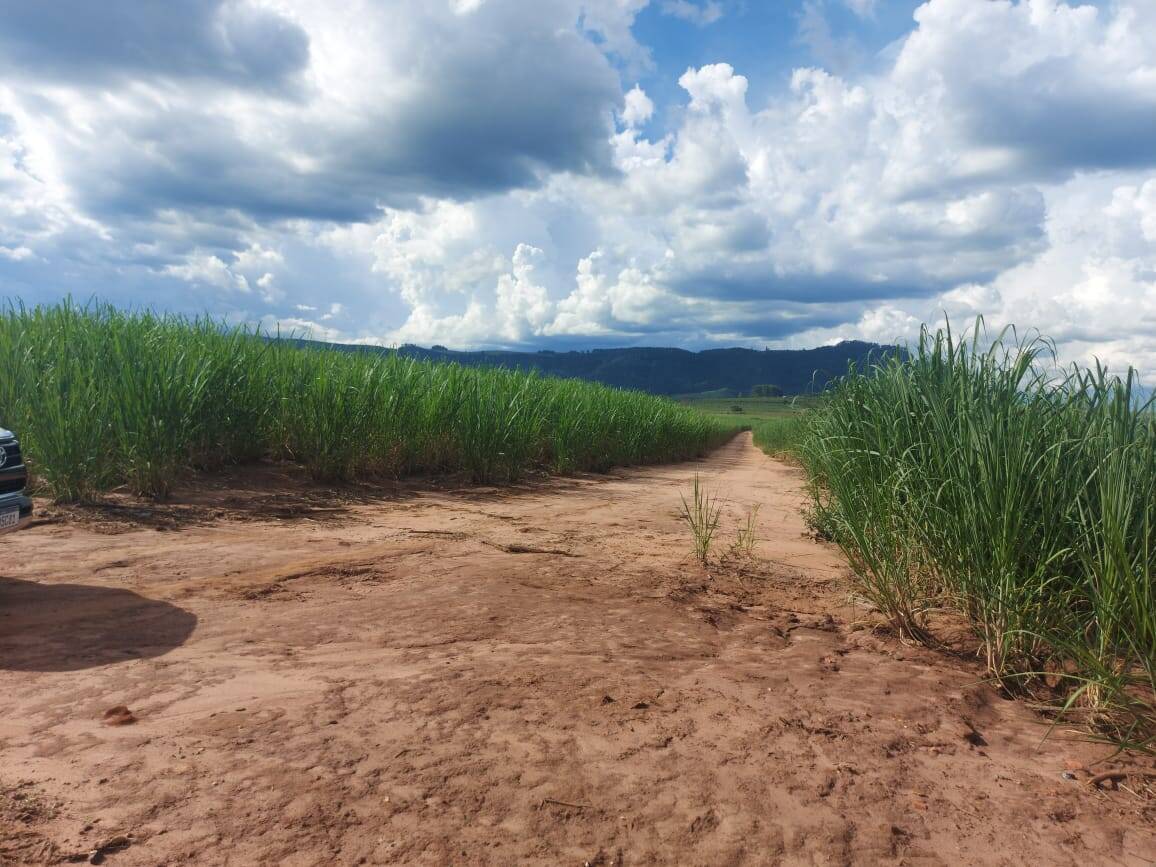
(581, 173)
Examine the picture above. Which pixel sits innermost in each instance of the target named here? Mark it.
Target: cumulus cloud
(206, 269)
(1041, 88)
(16, 253)
(486, 172)
(639, 109)
(389, 102)
(858, 208)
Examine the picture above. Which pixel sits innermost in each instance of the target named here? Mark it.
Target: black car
(15, 508)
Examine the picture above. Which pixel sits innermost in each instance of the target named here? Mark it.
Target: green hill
(723, 372)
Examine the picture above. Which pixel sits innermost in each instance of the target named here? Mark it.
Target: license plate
(9, 519)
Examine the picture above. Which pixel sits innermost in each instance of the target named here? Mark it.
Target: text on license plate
(9, 519)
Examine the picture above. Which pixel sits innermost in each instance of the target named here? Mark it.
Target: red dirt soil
(271, 675)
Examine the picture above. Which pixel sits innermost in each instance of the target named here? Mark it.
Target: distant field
(751, 409)
(777, 422)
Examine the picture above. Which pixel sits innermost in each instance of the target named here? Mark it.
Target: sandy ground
(536, 676)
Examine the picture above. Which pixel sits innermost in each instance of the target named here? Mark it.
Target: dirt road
(537, 676)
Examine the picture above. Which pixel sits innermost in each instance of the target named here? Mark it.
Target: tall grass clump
(702, 513)
(106, 399)
(984, 479)
(748, 531)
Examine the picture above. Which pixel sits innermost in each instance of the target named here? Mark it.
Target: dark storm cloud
(760, 282)
(480, 128)
(87, 42)
(1058, 126)
(197, 164)
(496, 99)
(691, 329)
(452, 106)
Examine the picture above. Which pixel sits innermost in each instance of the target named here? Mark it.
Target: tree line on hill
(669, 371)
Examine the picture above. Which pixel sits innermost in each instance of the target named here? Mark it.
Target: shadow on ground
(69, 627)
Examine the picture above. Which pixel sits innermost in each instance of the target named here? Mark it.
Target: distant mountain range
(727, 372)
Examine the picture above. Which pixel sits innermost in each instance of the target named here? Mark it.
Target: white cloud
(465, 7)
(639, 109)
(467, 172)
(871, 203)
(15, 254)
(381, 103)
(523, 306)
(702, 14)
(207, 270)
(1092, 287)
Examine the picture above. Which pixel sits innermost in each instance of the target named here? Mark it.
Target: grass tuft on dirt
(701, 513)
